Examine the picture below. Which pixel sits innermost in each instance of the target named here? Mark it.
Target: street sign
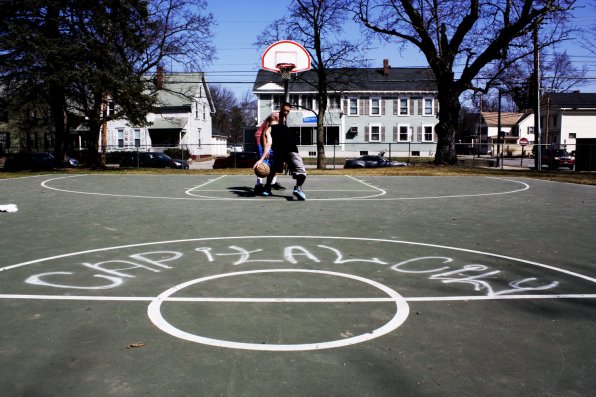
(523, 142)
(309, 119)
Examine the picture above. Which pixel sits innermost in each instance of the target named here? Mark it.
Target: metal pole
(538, 157)
(287, 90)
(499, 130)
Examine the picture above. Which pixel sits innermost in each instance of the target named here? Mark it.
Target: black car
(237, 160)
(556, 158)
(370, 161)
(34, 162)
(148, 160)
(182, 164)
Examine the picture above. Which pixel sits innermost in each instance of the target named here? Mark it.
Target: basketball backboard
(286, 52)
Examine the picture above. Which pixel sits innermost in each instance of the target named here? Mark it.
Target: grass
(415, 170)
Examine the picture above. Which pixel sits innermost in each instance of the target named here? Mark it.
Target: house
(566, 118)
(514, 126)
(181, 119)
(369, 110)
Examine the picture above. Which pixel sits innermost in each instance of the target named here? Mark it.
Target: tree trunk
(94, 124)
(447, 127)
(321, 163)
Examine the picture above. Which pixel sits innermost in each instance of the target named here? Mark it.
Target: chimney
(159, 79)
(386, 67)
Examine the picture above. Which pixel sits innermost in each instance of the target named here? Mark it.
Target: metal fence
(483, 154)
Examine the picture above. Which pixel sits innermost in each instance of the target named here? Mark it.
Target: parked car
(236, 160)
(556, 158)
(182, 164)
(34, 162)
(370, 161)
(148, 160)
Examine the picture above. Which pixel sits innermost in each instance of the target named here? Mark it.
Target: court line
(374, 197)
(293, 300)
(203, 184)
(414, 243)
(23, 177)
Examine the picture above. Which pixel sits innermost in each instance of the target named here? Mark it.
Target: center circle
(401, 314)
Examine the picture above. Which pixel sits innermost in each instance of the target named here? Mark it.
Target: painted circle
(401, 314)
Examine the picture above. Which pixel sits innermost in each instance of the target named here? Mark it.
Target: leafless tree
(318, 25)
(460, 39)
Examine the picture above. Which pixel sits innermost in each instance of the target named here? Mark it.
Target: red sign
(523, 141)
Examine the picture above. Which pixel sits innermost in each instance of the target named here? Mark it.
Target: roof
(169, 123)
(352, 80)
(179, 89)
(571, 100)
(507, 119)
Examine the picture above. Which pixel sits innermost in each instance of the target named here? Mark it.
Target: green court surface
(189, 285)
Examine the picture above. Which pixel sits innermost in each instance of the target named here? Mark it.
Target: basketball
(262, 170)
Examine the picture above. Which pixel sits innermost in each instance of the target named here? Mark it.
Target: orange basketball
(262, 170)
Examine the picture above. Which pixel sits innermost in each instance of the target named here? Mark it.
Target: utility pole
(538, 156)
(104, 126)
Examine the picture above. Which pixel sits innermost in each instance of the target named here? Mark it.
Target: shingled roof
(570, 100)
(352, 80)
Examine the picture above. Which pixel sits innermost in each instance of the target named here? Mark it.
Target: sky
(238, 23)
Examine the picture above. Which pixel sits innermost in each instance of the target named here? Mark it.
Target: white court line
(294, 300)
(23, 177)
(413, 243)
(44, 184)
(204, 184)
(373, 197)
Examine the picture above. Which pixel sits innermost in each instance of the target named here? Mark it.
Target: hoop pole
(287, 90)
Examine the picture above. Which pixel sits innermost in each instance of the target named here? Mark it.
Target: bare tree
(557, 74)
(460, 39)
(224, 102)
(318, 26)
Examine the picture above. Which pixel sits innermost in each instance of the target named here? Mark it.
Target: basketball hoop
(285, 69)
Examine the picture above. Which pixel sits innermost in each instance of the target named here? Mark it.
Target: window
(403, 133)
(196, 110)
(375, 106)
(295, 101)
(531, 130)
(199, 136)
(276, 103)
(572, 135)
(353, 107)
(307, 101)
(334, 102)
(120, 133)
(375, 133)
(428, 133)
(403, 106)
(137, 136)
(332, 135)
(428, 106)
(352, 132)
(204, 112)
(111, 108)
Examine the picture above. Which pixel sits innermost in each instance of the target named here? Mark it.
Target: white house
(369, 110)
(567, 117)
(181, 119)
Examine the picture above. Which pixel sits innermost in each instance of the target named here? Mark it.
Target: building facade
(567, 117)
(370, 110)
(181, 119)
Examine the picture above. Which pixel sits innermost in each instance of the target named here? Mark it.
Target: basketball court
(189, 285)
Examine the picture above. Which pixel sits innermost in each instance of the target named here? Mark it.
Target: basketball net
(285, 69)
